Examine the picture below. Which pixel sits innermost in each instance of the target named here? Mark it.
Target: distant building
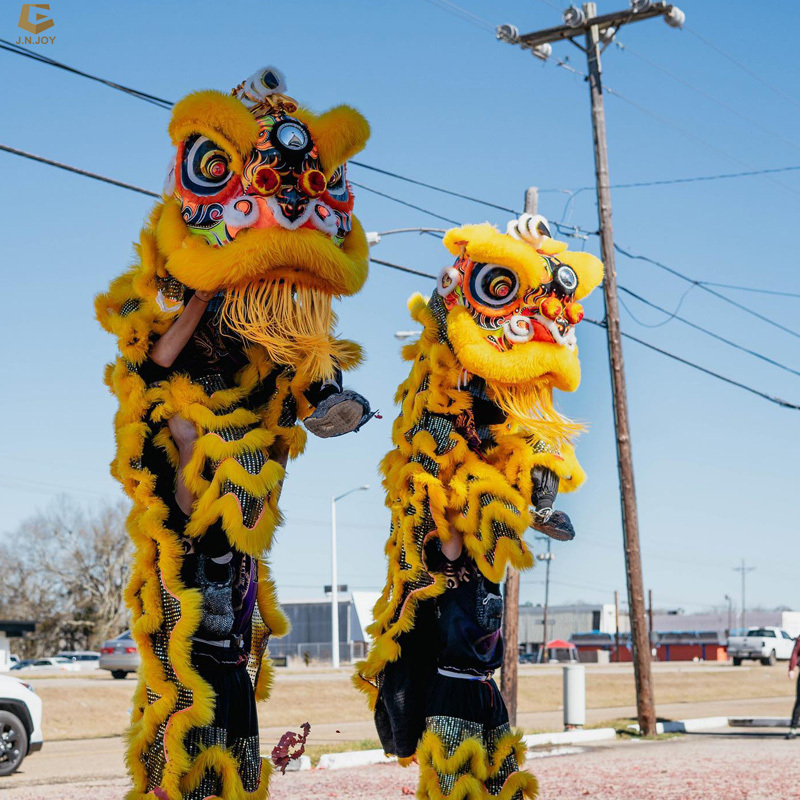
(10, 629)
(565, 621)
(311, 628)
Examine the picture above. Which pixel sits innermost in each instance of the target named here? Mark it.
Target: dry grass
(102, 709)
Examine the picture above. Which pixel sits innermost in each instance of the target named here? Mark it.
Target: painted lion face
(259, 188)
(513, 301)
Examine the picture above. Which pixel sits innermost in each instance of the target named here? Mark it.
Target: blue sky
(715, 466)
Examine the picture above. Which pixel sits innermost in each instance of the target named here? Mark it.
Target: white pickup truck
(766, 645)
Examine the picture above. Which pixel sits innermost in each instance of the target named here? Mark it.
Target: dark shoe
(557, 526)
(791, 735)
(338, 414)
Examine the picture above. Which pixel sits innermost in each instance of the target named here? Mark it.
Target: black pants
(796, 710)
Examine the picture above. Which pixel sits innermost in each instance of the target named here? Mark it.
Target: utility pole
(547, 558)
(510, 670)
(744, 570)
(730, 616)
(598, 32)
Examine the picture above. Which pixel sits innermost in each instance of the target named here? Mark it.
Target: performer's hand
(791, 674)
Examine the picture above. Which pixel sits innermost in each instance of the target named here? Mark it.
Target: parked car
(766, 645)
(53, 664)
(25, 662)
(20, 723)
(120, 656)
(85, 659)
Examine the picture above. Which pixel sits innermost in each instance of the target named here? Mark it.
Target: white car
(20, 723)
(766, 645)
(54, 664)
(84, 659)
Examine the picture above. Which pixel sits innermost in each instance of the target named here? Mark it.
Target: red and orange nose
(267, 182)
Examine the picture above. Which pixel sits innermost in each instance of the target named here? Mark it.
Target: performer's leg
(468, 744)
(184, 434)
(795, 723)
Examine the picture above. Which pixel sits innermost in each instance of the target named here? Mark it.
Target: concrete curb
(569, 737)
(759, 722)
(354, 758)
(688, 725)
(365, 758)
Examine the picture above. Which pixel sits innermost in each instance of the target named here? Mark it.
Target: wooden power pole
(510, 670)
(598, 31)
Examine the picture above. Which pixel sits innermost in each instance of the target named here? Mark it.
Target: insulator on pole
(542, 51)
(574, 17)
(640, 5)
(675, 17)
(508, 33)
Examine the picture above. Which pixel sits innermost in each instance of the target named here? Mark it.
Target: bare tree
(66, 569)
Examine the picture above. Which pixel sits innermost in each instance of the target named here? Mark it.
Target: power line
(750, 289)
(693, 365)
(727, 106)
(702, 285)
(405, 203)
(708, 332)
(86, 174)
(463, 14)
(400, 268)
(22, 51)
(742, 66)
(130, 187)
(689, 135)
(697, 178)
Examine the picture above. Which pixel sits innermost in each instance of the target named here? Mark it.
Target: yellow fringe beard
(293, 323)
(530, 405)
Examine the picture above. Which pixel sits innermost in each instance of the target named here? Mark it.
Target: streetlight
(546, 557)
(730, 614)
(335, 578)
(406, 334)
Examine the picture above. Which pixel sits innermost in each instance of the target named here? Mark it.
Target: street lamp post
(335, 578)
(547, 558)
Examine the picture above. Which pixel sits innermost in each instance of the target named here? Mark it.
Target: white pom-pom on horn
(530, 228)
(261, 84)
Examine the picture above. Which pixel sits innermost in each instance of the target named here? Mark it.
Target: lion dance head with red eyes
(257, 204)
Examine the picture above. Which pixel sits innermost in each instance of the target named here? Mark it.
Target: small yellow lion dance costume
(477, 444)
(257, 215)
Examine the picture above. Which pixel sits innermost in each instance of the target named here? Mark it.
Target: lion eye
(493, 285)
(206, 167)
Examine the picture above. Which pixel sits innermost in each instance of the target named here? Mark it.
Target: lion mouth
(548, 330)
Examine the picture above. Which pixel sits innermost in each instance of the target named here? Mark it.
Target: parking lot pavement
(753, 764)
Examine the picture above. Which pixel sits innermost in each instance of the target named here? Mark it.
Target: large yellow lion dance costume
(257, 213)
(478, 443)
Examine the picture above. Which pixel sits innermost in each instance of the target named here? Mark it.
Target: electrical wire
(750, 289)
(404, 203)
(727, 106)
(463, 14)
(689, 135)
(706, 288)
(742, 66)
(408, 270)
(706, 331)
(86, 174)
(772, 399)
(22, 51)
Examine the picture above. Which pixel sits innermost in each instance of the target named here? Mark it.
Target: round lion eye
(214, 165)
(205, 168)
(566, 278)
(492, 285)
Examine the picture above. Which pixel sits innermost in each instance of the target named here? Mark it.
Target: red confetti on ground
(407, 790)
(282, 753)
